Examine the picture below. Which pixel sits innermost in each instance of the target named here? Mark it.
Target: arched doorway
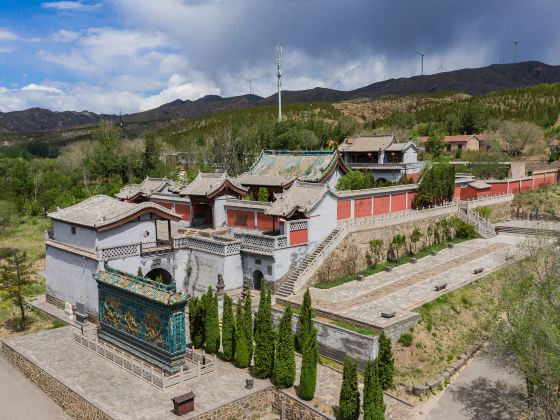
(258, 276)
(161, 275)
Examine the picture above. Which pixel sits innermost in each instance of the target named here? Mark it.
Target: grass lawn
(545, 199)
(381, 266)
(27, 235)
(450, 324)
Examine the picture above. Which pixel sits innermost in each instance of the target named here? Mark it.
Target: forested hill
(469, 81)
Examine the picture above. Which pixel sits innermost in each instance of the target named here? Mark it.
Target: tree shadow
(486, 399)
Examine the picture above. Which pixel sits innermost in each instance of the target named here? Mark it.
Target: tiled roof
(205, 184)
(366, 144)
(247, 204)
(282, 167)
(302, 196)
(479, 185)
(399, 147)
(141, 286)
(454, 139)
(146, 188)
(102, 210)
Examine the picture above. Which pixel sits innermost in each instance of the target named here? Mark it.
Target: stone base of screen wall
(267, 401)
(69, 400)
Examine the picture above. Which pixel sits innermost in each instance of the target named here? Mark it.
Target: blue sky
(131, 55)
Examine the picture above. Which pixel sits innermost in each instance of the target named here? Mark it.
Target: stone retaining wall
(69, 400)
(336, 343)
(354, 251)
(267, 401)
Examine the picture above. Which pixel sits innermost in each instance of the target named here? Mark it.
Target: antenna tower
(279, 78)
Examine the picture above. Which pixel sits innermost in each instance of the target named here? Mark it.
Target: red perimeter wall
(265, 222)
(362, 207)
(381, 205)
(184, 210)
(398, 202)
(343, 209)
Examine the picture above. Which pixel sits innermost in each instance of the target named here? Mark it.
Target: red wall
(265, 222)
(411, 197)
(231, 213)
(550, 178)
(398, 202)
(469, 193)
(457, 193)
(343, 209)
(499, 188)
(184, 210)
(381, 205)
(165, 204)
(298, 237)
(514, 187)
(526, 185)
(362, 207)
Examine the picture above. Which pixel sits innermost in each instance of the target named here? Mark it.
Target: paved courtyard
(410, 285)
(122, 395)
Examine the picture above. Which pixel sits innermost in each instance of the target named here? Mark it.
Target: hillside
(469, 81)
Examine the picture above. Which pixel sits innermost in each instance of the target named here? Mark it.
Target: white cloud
(77, 6)
(181, 88)
(6, 50)
(65, 36)
(6, 35)
(42, 88)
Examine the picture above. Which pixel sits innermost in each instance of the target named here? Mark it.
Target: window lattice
(120, 252)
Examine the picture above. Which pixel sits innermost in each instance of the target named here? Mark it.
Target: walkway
(485, 389)
(22, 399)
(410, 285)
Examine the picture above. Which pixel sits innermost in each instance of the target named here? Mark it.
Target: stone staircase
(484, 228)
(287, 284)
(526, 231)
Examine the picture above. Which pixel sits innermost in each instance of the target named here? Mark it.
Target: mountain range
(470, 81)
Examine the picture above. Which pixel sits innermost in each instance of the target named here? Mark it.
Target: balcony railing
(262, 243)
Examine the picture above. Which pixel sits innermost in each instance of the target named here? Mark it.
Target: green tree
(435, 144)
(8, 215)
(228, 329)
(349, 399)
(212, 323)
(263, 194)
(354, 180)
(437, 185)
(415, 237)
(264, 335)
(197, 311)
(106, 161)
(248, 324)
(305, 320)
(375, 246)
(530, 330)
(151, 162)
(241, 357)
(308, 375)
(397, 243)
(373, 404)
(285, 361)
(16, 279)
(386, 362)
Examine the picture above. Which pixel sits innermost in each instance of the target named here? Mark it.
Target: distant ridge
(471, 81)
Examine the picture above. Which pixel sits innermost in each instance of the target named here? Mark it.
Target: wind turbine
(514, 50)
(421, 54)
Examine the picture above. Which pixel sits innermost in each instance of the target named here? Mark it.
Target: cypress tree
(349, 399)
(212, 323)
(241, 349)
(248, 325)
(374, 406)
(264, 335)
(386, 362)
(305, 321)
(197, 309)
(285, 360)
(308, 375)
(379, 404)
(228, 329)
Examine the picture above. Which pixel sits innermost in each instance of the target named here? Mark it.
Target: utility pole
(279, 78)
(421, 54)
(515, 50)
